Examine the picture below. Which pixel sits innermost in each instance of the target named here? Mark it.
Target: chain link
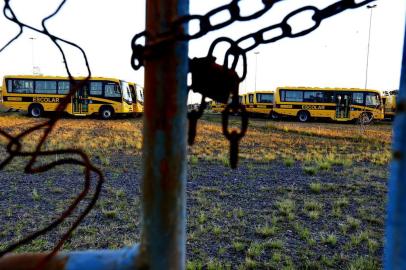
(285, 28)
(234, 136)
(141, 52)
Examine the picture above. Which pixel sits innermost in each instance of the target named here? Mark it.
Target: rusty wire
(15, 148)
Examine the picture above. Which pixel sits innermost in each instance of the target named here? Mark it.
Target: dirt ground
(305, 196)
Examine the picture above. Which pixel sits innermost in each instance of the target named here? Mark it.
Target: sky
(334, 55)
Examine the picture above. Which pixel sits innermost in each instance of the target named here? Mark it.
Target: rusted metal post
(164, 146)
(395, 244)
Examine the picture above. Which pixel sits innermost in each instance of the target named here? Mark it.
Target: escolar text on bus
(46, 99)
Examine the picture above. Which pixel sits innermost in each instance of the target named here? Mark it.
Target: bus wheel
(136, 115)
(106, 112)
(274, 116)
(303, 116)
(365, 118)
(35, 110)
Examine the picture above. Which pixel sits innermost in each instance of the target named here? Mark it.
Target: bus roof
(49, 77)
(261, 92)
(327, 89)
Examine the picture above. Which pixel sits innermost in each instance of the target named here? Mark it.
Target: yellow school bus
(259, 103)
(389, 101)
(219, 107)
(38, 94)
(137, 94)
(339, 104)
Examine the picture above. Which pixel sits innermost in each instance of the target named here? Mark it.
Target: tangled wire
(15, 148)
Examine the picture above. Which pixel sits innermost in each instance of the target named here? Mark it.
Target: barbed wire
(15, 146)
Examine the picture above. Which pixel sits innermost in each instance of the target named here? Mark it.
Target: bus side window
(23, 86)
(63, 87)
(10, 86)
(328, 96)
(319, 97)
(309, 96)
(264, 98)
(96, 88)
(111, 90)
(358, 98)
(293, 96)
(251, 98)
(313, 96)
(45, 87)
(372, 99)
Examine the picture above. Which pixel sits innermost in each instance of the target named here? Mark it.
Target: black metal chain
(236, 51)
(285, 29)
(141, 52)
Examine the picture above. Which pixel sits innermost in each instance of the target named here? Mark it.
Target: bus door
(80, 100)
(343, 102)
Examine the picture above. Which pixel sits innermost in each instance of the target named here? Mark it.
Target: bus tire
(365, 118)
(136, 115)
(106, 112)
(274, 116)
(35, 110)
(303, 116)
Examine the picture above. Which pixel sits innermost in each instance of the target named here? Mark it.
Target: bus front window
(140, 94)
(126, 92)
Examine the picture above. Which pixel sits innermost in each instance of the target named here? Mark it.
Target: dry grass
(312, 143)
(92, 135)
(269, 214)
(265, 140)
(375, 132)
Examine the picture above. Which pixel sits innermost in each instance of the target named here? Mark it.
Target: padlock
(213, 80)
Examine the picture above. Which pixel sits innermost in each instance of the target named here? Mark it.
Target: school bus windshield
(140, 93)
(126, 92)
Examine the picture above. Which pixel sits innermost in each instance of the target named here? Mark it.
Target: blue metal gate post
(164, 146)
(395, 246)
